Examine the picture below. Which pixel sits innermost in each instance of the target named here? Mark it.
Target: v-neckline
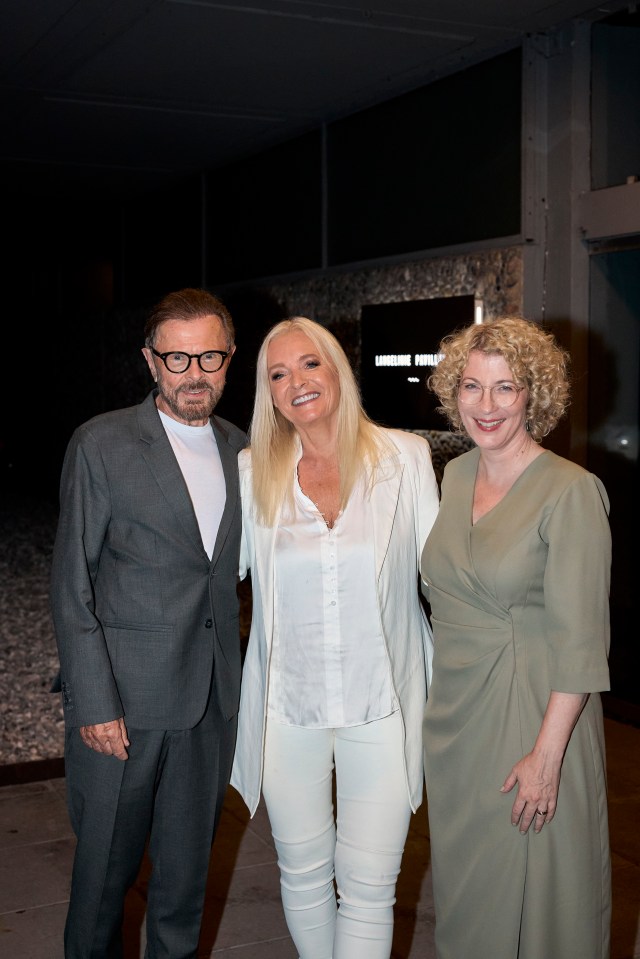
(503, 498)
(316, 508)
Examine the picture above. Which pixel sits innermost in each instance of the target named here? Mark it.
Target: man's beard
(191, 408)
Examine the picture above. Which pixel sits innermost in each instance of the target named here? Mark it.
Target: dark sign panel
(399, 350)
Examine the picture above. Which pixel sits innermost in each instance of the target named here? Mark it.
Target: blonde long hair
(361, 443)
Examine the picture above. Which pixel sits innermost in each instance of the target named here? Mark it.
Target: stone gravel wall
(31, 717)
(31, 721)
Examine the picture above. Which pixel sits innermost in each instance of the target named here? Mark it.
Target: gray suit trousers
(170, 789)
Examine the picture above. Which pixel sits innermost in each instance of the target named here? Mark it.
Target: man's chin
(192, 410)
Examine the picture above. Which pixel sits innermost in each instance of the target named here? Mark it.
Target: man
(146, 619)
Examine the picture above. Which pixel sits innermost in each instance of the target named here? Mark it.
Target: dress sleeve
(576, 587)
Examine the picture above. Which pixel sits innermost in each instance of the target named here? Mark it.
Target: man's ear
(148, 355)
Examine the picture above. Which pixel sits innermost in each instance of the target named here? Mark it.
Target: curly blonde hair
(533, 356)
(361, 443)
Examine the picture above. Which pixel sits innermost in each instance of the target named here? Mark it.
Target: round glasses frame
(503, 395)
(178, 362)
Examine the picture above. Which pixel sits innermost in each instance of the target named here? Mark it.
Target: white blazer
(405, 503)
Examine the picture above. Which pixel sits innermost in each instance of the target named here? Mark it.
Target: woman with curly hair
(516, 570)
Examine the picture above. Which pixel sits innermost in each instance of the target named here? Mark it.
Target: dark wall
(439, 165)
(264, 215)
(615, 94)
(160, 243)
(57, 285)
(433, 168)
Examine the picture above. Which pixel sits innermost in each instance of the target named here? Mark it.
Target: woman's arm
(576, 597)
(538, 773)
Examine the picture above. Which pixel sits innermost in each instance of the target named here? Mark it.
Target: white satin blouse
(329, 665)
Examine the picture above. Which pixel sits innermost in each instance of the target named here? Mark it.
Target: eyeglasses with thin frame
(209, 362)
(503, 395)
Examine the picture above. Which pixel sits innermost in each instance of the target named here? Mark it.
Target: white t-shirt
(199, 459)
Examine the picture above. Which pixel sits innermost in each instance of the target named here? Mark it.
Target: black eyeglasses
(209, 362)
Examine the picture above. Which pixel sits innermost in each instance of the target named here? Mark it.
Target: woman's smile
(304, 387)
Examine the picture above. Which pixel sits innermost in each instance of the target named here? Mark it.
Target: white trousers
(362, 848)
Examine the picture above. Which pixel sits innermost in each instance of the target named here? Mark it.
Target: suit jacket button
(208, 623)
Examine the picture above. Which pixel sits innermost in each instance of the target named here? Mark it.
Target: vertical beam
(579, 254)
(535, 52)
(560, 287)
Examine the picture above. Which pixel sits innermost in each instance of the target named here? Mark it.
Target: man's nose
(193, 368)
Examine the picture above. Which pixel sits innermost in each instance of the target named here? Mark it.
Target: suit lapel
(163, 464)
(229, 460)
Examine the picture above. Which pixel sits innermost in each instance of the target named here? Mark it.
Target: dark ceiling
(120, 96)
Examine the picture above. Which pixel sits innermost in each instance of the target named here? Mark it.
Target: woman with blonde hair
(335, 513)
(517, 574)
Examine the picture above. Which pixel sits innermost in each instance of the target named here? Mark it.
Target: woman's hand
(538, 773)
(538, 782)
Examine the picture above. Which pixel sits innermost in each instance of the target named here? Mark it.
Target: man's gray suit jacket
(143, 618)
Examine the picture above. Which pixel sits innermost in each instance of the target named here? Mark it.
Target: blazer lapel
(229, 460)
(264, 553)
(163, 464)
(384, 503)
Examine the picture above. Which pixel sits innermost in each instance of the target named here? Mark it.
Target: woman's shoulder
(244, 459)
(404, 441)
(245, 474)
(564, 469)
(462, 464)
(564, 474)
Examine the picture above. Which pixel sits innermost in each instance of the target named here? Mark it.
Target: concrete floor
(243, 917)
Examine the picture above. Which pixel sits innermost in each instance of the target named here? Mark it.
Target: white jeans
(365, 851)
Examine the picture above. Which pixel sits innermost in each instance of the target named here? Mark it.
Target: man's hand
(108, 738)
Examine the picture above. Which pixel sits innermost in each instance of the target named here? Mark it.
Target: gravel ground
(31, 717)
(32, 726)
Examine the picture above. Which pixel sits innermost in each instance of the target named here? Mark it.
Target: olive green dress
(519, 607)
